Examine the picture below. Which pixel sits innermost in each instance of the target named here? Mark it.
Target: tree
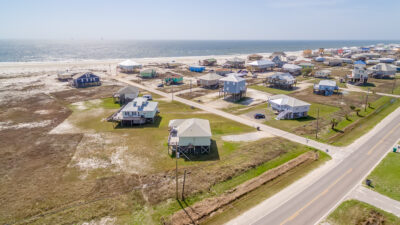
(357, 111)
(352, 107)
(347, 116)
(334, 123)
(306, 71)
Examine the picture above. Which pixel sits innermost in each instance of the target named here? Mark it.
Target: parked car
(148, 97)
(259, 116)
(160, 85)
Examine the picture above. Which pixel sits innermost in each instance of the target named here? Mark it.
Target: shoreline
(105, 64)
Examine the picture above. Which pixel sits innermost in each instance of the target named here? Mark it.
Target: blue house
(197, 69)
(85, 80)
(326, 87)
(234, 86)
(278, 61)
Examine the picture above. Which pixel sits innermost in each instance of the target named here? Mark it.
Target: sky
(201, 19)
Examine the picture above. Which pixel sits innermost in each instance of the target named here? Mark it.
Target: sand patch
(65, 128)
(42, 112)
(253, 136)
(103, 221)
(10, 125)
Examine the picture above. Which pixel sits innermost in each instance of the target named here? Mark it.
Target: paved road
(371, 197)
(370, 92)
(263, 127)
(313, 203)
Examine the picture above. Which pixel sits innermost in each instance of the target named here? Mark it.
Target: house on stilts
(189, 136)
(126, 94)
(234, 86)
(139, 111)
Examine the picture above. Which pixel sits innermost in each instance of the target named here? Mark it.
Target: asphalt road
(312, 204)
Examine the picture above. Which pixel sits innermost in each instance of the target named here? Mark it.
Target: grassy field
(270, 90)
(386, 177)
(111, 165)
(349, 130)
(356, 212)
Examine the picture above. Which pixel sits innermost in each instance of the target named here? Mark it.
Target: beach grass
(355, 212)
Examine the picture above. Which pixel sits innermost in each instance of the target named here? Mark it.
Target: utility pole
(394, 83)
(172, 93)
(190, 88)
(183, 186)
(176, 173)
(366, 101)
(316, 132)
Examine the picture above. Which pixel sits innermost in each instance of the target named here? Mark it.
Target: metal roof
(233, 77)
(287, 100)
(191, 127)
(210, 76)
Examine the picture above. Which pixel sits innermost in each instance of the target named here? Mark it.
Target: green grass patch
(386, 177)
(357, 126)
(356, 212)
(275, 91)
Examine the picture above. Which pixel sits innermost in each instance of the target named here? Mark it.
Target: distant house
(326, 87)
(65, 76)
(235, 62)
(172, 78)
(254, 57)
(382, 70)
(359, 73)
(323, 73)
(292, 68)
(223, 71)
(372, 61)
(197, 69)
(288, 107)
(88, 79)
(148, 73)
(280, 54)
(129, 66)
(291, 58)
(307, 53)
(209, 62)
(278, 60)
(333, 62)
(319, 59)
(346, 60)
(281, 80)
(234, 86)
(189, 136)
(209, 80)
(261, 65)
(386, 60)
(126, 94)
(306, 65)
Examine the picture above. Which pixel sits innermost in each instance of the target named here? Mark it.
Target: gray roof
(282, 76)
(331, 83)
(233, 78)
(289, 66)
(210, 76)
(128, 90)
(383, 67)
(191, 127)
(287, 100)
(140, 104)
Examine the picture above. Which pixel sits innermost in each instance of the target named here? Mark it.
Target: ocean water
(66, 50)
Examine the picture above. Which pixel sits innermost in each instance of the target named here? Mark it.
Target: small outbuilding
(209, 80)
(189, 136)
(306, 65)
(288, 107)
(223, 71)
(172, 78)
(197, 69)
(333, 62)
(88, 79)
(326, 87)
(126, 94)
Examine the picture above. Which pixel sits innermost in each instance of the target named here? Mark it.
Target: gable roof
(191, 127)
(331, 83)
(128, 90)
(210, 76)
(233, 77)
(287, 100)
(290, 66)
(383, 67)
(262, 63)
(86, 74)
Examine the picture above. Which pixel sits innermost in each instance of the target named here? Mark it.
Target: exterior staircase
(282, 114)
